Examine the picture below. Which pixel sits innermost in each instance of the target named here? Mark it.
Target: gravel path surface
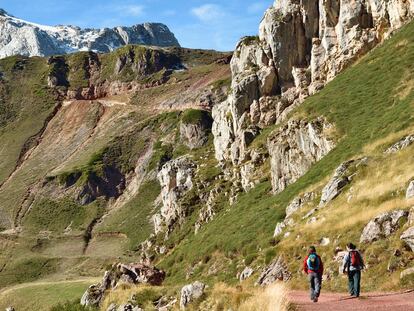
(342, 302)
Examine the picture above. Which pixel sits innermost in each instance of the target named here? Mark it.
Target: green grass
(193, 116)
(53, 296)
(363, 103)
(133, 219)
(222, 83)
(26, 270)
(78, 69)
(55, 216)
(23, 110)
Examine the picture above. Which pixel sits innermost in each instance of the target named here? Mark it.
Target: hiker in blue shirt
(352, 265)
(313, 267)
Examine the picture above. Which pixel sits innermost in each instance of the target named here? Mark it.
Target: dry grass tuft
(272, 298)
(406, 86)
(380, 145)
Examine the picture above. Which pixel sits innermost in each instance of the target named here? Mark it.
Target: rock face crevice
(302, 45)
(295, 148)
(176, 179)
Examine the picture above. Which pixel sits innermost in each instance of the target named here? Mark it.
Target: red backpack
(355, 259)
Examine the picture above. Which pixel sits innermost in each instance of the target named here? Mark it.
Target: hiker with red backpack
(352, 265)
(313, 267)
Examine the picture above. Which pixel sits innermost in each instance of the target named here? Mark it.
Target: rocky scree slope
(19, 37)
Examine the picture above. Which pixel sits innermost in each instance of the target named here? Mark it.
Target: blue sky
(208, 24)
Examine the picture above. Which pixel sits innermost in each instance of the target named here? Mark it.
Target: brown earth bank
(341, 301)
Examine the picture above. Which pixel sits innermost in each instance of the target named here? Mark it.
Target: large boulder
(276, 271)
(142, 274)
(93, 296)
(120, 274)
(191, 292)
(382, 226)
(408, 238)
(295, 148)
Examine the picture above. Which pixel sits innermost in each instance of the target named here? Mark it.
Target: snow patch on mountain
(20, 37)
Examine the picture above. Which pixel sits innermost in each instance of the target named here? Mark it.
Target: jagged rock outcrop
(408, 238)
(190, 293)
(402, 144)
(250, 174)
(126, 74)
(302, 45)
(94, 295)
(294, 206)
(295, 148)
(343, 176)
(298, 202)
(18, 37)
(276, 271)
(245, 274)
(410, 190)
(176, 179)
(382, 226)
(194, 132)
(121, 273)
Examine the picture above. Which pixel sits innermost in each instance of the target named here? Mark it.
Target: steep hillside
(83, 136)
(371, 106)
(116, 158)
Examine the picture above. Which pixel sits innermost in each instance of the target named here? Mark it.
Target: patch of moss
(193, 116)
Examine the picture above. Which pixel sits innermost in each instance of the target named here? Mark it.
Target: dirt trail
(342, 302)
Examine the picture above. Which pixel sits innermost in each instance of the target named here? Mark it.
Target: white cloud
(169, 13)
(131, 10)
(208, 12)
(257, 7)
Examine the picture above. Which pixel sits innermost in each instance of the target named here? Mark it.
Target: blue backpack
(313, 262)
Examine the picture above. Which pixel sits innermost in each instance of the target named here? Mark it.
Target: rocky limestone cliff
(175, 178)
(302, 45)
(19, 37)
(295, 148)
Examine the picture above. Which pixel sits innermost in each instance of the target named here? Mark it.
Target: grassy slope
(43, 251)
(367, 102)
(47, 295)
(25, 102)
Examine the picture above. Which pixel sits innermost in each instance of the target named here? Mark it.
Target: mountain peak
(3, 12)
(31, 39)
